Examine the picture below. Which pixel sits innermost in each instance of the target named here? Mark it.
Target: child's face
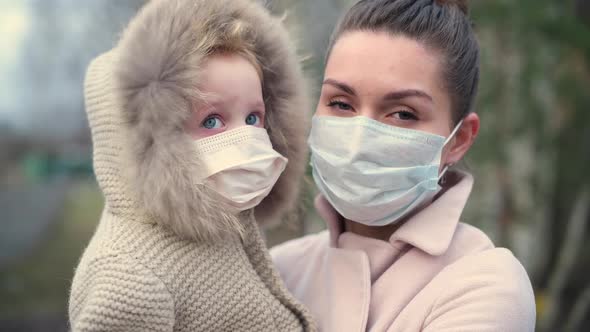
(233, 97)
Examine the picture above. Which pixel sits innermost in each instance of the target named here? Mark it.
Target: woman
(395, 112)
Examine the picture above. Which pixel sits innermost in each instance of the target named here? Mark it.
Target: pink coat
(434, 274)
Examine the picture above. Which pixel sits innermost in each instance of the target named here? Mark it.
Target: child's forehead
(230, 99)
(229, 78)
(220, 62)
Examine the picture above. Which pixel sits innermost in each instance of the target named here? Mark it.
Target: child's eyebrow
(209, 104)
(210, 98)
(258, 105)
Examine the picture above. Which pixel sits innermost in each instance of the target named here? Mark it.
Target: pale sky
(14, 23)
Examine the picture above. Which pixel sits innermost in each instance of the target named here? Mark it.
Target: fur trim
(156, 77)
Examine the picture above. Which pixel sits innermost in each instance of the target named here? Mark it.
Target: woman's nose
(368, 112)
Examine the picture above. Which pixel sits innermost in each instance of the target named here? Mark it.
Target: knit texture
(138, 274)
(140, 277)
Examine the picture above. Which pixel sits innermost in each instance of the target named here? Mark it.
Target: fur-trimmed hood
(139, 95)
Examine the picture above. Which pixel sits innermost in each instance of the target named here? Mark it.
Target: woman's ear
(464, 138)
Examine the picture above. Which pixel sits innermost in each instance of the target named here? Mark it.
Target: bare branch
(579, 312)
(572, 246)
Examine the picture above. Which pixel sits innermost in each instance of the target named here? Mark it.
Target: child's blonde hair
(238, 39)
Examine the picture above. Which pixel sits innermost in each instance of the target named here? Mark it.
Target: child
(193, 117)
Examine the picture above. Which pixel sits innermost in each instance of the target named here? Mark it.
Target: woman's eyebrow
(394, 95)
(401, 94)
(341, 86)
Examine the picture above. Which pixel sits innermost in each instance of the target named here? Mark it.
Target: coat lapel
(347, 283)
(399, 285)
(426, 237)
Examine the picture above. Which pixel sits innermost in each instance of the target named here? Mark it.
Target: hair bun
(462, 4)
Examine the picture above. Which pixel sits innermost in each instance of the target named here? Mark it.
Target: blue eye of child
(212, 123)
(252, 119)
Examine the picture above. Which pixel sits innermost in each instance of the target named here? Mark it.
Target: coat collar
(430, 230)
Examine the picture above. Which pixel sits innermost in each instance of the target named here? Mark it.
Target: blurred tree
(535, 143)
(583, 10)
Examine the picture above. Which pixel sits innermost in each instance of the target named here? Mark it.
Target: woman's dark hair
(441, 25)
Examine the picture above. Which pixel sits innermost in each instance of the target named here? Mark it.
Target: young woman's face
(233, 97)
(391, 79)
(394, 80)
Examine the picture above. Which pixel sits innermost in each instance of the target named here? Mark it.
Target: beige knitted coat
(167, 256)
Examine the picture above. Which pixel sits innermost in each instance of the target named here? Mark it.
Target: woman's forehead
(373, 59)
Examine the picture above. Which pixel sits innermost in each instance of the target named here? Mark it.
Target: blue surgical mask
(374, 173)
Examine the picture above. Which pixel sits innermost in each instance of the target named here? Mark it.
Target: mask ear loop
(441, 177)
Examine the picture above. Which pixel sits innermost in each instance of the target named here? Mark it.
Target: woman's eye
(253, 119)
(405, 115)
(212, 122)
(340, 105)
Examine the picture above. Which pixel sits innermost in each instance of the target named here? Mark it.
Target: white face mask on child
(241, 165)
